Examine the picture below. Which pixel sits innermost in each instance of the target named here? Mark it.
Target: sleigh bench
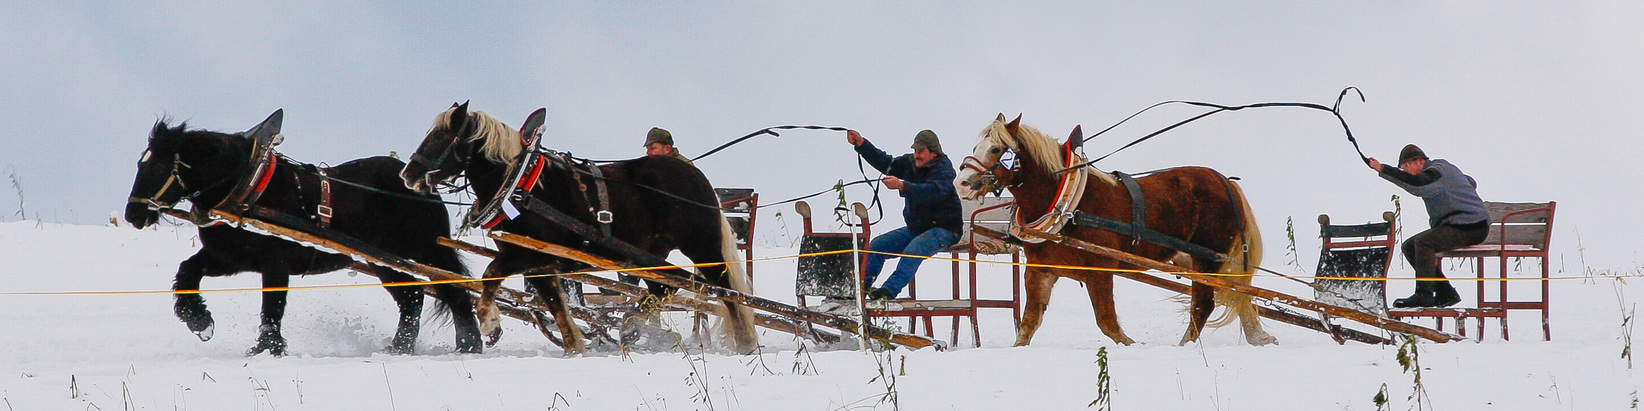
(1517, 230)
(830, 275)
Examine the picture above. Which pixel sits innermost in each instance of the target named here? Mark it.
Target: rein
(1217, 108)
(766, 130)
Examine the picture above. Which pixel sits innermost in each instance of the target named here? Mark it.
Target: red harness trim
(1067, 155)
(494, 221)
(268, 174)
(530, 179)
(525, 183)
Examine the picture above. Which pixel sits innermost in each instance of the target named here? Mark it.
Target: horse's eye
(146, 154)
(997, 150)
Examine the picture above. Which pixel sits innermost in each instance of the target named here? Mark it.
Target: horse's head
(181, 164)
(457, 137)
(981, 172)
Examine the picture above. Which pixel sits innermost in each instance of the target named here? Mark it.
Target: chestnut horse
(1194, 204)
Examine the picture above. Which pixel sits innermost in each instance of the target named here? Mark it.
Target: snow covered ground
(127, 351)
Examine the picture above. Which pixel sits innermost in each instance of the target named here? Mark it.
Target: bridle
(153, 201)
(989, 180)
(256, 183)
(450, 151)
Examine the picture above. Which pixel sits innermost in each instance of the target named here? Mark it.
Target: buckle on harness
(324, 211)
(604, 216)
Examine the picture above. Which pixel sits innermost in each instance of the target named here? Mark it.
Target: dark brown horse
(656, 204)
(204, 167)
(1194, 204)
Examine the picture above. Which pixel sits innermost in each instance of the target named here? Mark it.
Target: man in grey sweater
(1456, 218)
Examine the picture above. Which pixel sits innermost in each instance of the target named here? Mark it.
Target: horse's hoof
(276, 349)
(205, 333)
(198, 321)
(493, 336)
(1260, 340)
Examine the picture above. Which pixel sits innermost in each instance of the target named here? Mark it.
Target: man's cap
(1410, 152)
(927, 139)
(658, 135)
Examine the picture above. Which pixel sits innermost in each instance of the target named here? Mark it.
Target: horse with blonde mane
(1194, 204)
(655, 204)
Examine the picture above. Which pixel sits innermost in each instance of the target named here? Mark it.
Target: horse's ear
(460, 114)
(1013, 125)
(1001, 118)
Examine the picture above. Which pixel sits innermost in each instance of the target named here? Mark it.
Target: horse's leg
(1038, 282)
(1202, 301)
(486, 308)
(461, 305)
(191, 308)
(409, 299)
(738, 319)
(1100, 288)
(551, 291)
(269, 338)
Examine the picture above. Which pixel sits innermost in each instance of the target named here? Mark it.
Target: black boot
(1444, 294)
(1422, 298)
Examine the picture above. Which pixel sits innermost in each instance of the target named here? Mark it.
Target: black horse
(486, 150)
(205, 167)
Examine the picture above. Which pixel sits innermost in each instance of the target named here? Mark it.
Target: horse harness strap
(1141, 233)
(1138, 209)
(323, 210)
(603, 215)
(596, 237)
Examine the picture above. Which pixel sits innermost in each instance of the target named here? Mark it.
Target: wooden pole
(719, 293)
(512, 303)
(767, 321)
(1218, 282)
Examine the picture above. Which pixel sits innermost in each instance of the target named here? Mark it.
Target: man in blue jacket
(931, 210)
(1456, 218)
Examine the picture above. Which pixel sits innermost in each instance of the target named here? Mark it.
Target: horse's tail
(1244, 256)
(740, 326)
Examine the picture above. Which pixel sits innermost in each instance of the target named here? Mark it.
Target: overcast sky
(1537, 101)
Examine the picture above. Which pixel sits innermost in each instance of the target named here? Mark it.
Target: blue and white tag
(509, 210)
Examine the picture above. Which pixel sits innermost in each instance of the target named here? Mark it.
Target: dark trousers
(1422, 249)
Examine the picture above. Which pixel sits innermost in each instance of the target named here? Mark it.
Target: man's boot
(1422, 298)
(1444, 294)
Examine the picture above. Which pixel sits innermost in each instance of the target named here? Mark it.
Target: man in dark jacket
(1456, 218)
(659, 141)
(931, 210)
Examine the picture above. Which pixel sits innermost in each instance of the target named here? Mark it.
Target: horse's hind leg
(191, 308)
(1201, 302)
(409, 299)
(1100, 288)
(461, 305)
(1038, 282)
(269, 338)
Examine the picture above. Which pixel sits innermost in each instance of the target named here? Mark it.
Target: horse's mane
(501, 141)
(164, 131)
(1045, 151)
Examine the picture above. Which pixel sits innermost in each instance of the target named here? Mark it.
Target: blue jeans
(902, 241)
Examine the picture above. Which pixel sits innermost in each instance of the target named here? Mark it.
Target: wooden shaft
(719, 293)
(1127, 258)
(767, 321)
(511, 302)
